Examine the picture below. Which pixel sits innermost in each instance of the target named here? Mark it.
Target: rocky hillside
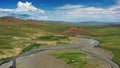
(76, 31)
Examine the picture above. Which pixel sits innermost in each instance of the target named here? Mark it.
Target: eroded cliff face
(76, 31)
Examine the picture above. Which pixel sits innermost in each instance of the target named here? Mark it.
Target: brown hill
(76, 31)
(18, 27)
(15, 21)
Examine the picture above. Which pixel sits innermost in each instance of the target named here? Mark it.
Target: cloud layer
(24, 10)
(65, 13)
(82, 13)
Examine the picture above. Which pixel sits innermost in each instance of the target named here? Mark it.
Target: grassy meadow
(76, 59)
(109, 38)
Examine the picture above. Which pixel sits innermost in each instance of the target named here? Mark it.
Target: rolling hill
(15, 34)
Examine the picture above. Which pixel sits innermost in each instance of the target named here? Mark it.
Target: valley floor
(49, 57)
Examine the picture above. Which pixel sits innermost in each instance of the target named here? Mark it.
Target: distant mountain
(53, 22)
(87, 22)
(8, 19)
(95, 22)
(62, 22)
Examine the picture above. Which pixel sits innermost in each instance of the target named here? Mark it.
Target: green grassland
(30, 47)
(109, 38)
(53, 38)
(76, 59)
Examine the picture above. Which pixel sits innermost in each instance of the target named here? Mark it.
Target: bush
(53, 38)
(30, 47)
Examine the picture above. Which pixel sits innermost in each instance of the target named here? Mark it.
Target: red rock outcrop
(76, 31)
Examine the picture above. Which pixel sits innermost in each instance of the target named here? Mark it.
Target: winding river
(87, 46)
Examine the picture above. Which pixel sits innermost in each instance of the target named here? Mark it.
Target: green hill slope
(15, 34)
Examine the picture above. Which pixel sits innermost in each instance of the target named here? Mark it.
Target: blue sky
(62, 10)
(48, 4)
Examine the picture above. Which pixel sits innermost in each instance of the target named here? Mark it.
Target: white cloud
(24, 10)
(82, 13)
(27, 7)
(65, 13)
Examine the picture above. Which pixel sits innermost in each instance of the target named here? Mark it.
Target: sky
(62, 10)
